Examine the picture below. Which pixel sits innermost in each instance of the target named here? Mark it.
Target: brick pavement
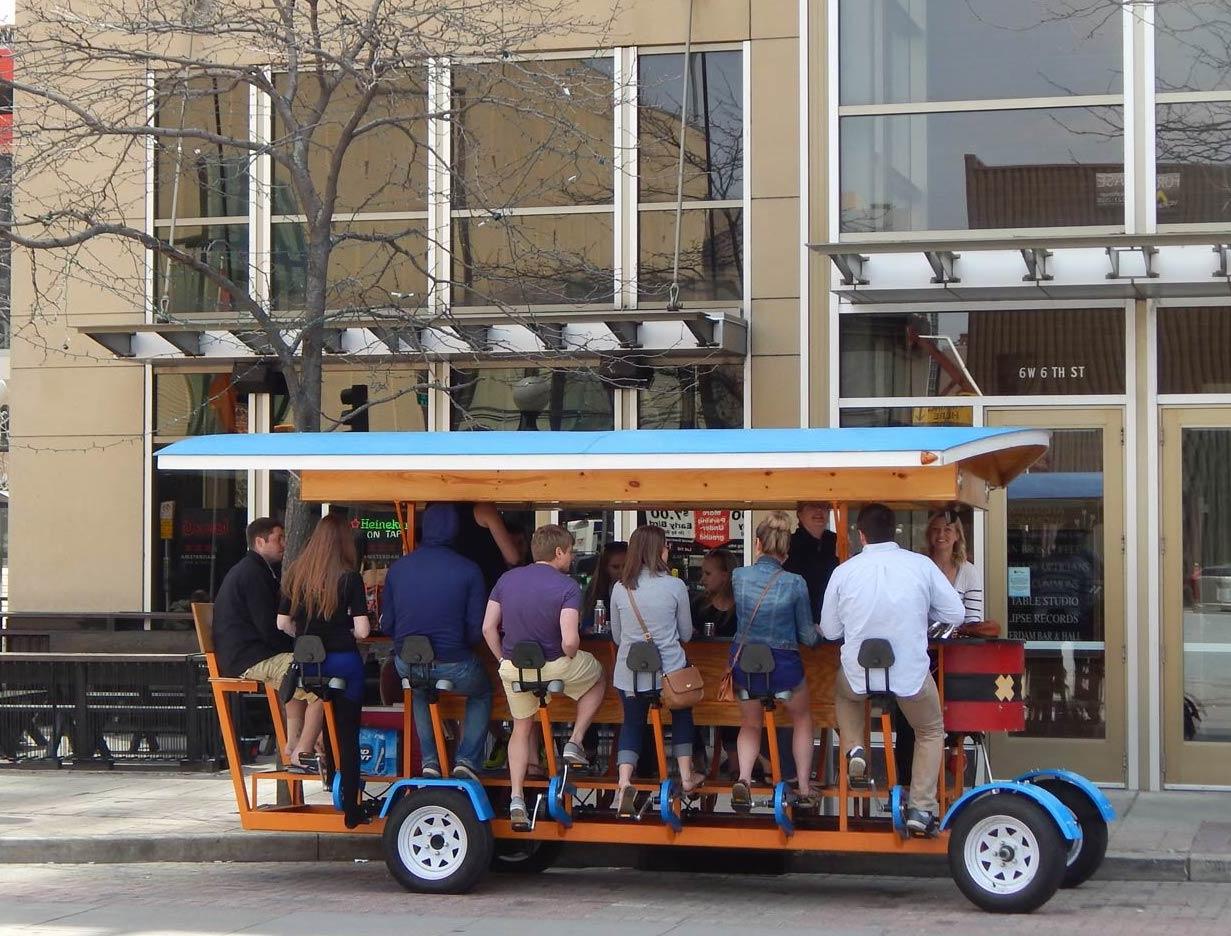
(360, 899)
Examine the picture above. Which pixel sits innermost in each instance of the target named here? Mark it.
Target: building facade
(895, 212)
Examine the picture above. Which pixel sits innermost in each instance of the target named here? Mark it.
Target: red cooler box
(983, 685)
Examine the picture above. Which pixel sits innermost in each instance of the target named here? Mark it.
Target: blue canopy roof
(683, 448)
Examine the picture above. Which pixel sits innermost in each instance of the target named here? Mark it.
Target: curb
(291, 847)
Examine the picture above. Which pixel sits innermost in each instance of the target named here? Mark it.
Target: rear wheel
(524, 856)
(1085, 855)
(434, 842)
(1006, 854)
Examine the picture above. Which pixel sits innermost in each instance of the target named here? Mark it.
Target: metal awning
(1078, 266)
(682, 334)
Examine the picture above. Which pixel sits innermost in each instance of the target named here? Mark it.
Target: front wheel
(1087, 853)
(435, 844)
(524, 856)
(1006, 854)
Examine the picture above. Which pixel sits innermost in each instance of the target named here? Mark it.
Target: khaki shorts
(577, 674)
(272, 670)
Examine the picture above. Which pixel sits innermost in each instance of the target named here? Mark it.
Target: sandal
(689, 790)
(741, 796)
(626, 801)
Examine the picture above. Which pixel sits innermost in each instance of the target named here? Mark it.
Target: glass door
(1196, 581)
(1055, 578)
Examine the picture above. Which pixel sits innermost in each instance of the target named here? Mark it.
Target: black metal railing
(107, 709)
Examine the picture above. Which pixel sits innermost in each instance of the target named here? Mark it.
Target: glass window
(882, 416)
(225, 248)
(1193, 163)
(209, 511)
(1056, 602)
(397, 396)
(385, 167)
(369, 264)
(1192, 350)
(378, 534)
(993, 169)
(1206, 557)
(989, 352)
(213, 178)
(1192, 45)
(714, 138)
(533, 259)
(711, 254)
(907, 51)
(187, 404)
(695, 396)
(536, 133)
(491, 398)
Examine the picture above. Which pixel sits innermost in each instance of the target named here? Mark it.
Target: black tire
(524, 856)
(1033, 864)
(1087, 855)
(454, 848)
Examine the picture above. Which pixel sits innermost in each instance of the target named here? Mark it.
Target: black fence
(107, 709)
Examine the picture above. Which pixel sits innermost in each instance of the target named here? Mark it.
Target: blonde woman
(772, 608)
(946, 546)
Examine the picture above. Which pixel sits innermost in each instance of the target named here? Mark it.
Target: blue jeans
(469, 679)
(636, 708)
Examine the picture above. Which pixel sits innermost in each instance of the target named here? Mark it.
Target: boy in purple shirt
(539, 602)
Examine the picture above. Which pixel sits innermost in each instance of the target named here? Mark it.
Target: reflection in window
(693, 533)
(373, 265)
(385, 167)
(224, 248)
(1192, 350)
(997, 169)
(533, 259)
(213, 179)
(711, 254)
(209, 512)
(1055, 584)
(1193, 152)
(1206, 558)
(1006, 353)
(491, 398)
(882, 416)
(1191, 43)
(197, 404)
(696, 396)
(533, 134)
(906, 51)
(398, 396)
(714, 138)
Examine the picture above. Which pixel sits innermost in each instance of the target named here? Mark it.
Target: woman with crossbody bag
(772, 608)
(649, 603)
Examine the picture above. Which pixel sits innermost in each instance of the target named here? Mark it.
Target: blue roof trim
(620, 442)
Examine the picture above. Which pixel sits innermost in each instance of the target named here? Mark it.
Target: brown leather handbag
(682, 688)
(726, 686)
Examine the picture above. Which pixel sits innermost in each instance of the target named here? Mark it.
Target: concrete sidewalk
(127, 816)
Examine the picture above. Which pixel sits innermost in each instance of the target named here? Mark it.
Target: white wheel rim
(1074, 851)
(1002, 855)
(432, 843)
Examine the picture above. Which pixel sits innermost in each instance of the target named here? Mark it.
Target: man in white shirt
(893, 593)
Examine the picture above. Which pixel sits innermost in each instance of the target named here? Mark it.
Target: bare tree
(351, 130)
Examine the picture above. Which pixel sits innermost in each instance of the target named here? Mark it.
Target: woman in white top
(947, 548)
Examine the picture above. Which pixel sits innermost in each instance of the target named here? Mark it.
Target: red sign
(713, 527)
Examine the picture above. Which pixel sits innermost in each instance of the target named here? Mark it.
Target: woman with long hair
(607, 571)
(946, 546)
(649, 603)
(772, 608)
(323, 596)
(716, 604)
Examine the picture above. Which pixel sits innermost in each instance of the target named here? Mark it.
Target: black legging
(346, 721)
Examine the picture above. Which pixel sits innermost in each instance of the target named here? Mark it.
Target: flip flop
(626, 802)
(741, 796)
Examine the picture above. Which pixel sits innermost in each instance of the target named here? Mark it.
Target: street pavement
(360, 899)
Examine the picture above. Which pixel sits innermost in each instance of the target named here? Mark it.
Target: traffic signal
(355, 397)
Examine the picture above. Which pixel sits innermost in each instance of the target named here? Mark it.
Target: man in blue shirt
(437, 593)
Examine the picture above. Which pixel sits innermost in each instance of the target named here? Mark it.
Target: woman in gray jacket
(648, 588)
